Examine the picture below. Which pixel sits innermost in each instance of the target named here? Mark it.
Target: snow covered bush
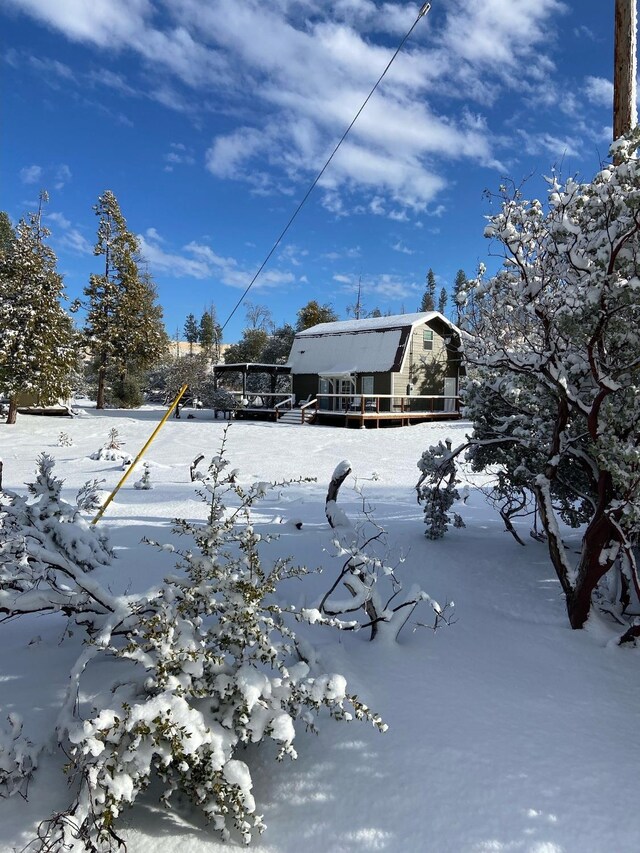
(436, 489)
(145, 481)
(18, 758)
(64, 440)
(554, 392)
(199, 668)
(47, 548)
(367, 575)
(111, 450)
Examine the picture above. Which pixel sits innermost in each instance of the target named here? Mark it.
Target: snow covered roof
(396, 321)
(374, 345)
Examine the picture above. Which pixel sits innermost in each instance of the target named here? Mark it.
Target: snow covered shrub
(111, 450)
(366, 574)
(18, 758)
(221, 400)
(47, 547)
(436, 489)
(64, 440)
(554, 392)
(200, 668)
(145, 481)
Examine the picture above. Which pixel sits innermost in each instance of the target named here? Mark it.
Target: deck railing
(367, 404)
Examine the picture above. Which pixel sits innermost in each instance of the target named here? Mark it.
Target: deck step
(293, 417)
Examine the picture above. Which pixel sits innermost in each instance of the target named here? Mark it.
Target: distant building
(397, 358)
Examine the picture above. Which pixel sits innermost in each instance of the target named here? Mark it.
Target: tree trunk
(599, 535)
(12, 414)
(624, 71)
(101, 384)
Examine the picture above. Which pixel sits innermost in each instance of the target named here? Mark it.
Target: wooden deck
(372, 411)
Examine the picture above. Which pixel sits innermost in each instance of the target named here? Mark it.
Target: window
(427, 339)
(367, 384)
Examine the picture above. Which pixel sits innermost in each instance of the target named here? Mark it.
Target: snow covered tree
(459, 288)
(555, 393)
(312, 314)
(429, 297)
(38, 348)
(7, 234)
(123, 329)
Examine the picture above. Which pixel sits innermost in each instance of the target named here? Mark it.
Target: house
(405, 366)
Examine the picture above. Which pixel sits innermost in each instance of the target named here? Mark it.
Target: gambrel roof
(373, 345)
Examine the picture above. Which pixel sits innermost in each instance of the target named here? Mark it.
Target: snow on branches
(436, 489)
(367, 575)
(554, 366)
(191, 672)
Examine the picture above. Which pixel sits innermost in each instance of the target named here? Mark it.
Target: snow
(507, 730)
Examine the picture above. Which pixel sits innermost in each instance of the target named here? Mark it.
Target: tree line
(122, 347)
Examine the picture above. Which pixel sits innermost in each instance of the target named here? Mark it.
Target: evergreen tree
(442, 300)
(459, 286)
(207, 334)
(313, 313)
(249, 349)
(191, 332)
(37, 342)
(279, 345)
(7, 234)
(123, 330)
(429, 298)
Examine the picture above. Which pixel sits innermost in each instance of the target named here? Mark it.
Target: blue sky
(210, 120)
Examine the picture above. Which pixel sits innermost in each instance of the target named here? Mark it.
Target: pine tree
(7, 234)
(206, 333)
(124, 329)
(442, 300)
(429, 298)
(38, 341)
(191, 332)
(458, 287)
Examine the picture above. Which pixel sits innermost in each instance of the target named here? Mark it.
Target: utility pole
(625, 115)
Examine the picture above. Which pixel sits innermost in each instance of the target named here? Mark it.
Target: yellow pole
(138, 457)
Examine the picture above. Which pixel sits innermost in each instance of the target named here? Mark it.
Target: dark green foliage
(442, 300)
(125, 392)
(429, 298)
(124, 330)
(191, 332)
(313, 313)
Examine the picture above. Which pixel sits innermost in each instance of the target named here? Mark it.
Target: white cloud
(62, 176)
(400, 247)
(300, 70)
(599, 91)
(547, 144)
(66, 236)
(199, 261)
(31, 174)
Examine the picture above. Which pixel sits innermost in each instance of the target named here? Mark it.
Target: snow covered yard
(507, 730)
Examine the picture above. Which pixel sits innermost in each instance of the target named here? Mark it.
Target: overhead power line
(423, 11)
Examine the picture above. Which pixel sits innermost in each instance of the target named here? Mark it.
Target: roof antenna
(423, 11)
